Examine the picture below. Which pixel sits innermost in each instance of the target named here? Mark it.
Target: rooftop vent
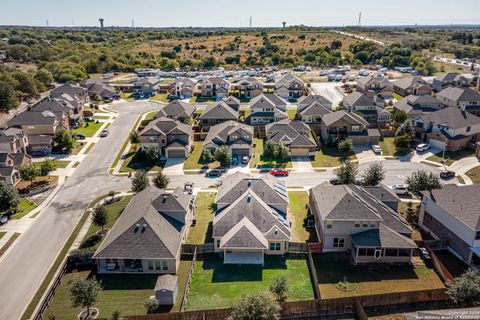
(249, 198)
(249, 183)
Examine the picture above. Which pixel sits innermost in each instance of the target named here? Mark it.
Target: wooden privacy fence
(438, 265)
(189, 280)
(297, 247)
(198, 248)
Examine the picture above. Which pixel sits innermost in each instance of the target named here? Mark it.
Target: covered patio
(243, 257)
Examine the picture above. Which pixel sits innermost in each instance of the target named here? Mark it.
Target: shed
(166, 289)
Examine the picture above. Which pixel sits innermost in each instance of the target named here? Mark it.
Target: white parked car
(423, 147)
(401, 189)
(376, 148)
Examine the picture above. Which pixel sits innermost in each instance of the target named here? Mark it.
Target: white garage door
(437, 144)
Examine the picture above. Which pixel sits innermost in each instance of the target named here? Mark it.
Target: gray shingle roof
(349, 117)
(166, 125)
(307, 100)
(222, 131)
(459, 94)
(383, 237)
(175, 109)
(452, 117)
(166, 282)
(244, 235)
(34, 118)
(220, 111)
(292, 131)
(406, 83)
(41, 139)
(286, 79)
(360, 99)
(315, 109)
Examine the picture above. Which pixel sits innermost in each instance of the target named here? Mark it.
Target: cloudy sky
(235, 13)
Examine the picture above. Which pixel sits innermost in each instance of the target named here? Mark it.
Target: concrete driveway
(174, 166)
(365, 154)
(420, 156)
(301, 164)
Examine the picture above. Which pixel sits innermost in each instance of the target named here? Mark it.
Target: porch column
(356, 255)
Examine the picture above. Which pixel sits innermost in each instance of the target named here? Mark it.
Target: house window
(338, 242)
(469, 128)
(157, 265)
(365, 225)
(275, 246)
(218, 243)
(357, 224)
(477, 235)
(150, 265)
(355, 128)
(403, 252)
(372, 225)
(329, 225)
(164, 265)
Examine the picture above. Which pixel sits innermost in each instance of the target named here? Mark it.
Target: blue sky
(235, 13)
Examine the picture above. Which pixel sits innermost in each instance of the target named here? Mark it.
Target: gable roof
(33, 117)
(223, 130)
(291, 131)
(307, 100)
(244, 235)
(377, 80)
(383, 237)
(175, 109)
(166, 125)
(220, 110)
(232, 101)
(451, 76)
(406, 83)
(349, 117)
(286, 79)
(452, 117)
(266, 101)
(361, 99)
(459, 94)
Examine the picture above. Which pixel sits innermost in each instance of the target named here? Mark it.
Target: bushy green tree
(399, 116)
(160, 180)
(84, 292)
(275, 151)
(465, 290)
(374, 174)
(422, 180)
(134, 138)
(207, 156)
(346, 173)
(404, 135)
(257, 306)
(29, 172)
(140, 181)
(100, 217)
(279, 288)
(8, 96)
(345, 146)
(9, 198)
(44, 76)
(47, 166)
(152, 154)
(151, 305)
(64, 139)
(223, 154)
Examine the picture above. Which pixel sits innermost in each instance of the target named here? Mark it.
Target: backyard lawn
(450, 156)
(136, 161)
(474, 175)
(193, 160)
(397, 96)
(329, 157)
(333, 268)
(297, 212)
(389, 149)
(216, 285)
(201, 232)
(23, 208)
(89, 129)
(291, 114)
(160, 97)
(259, 160)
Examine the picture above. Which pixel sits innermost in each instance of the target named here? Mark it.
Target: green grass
(389, 149)
(202, 100)
(370, 278)
(101, 117)
(397, 96)
(474, 175)
(216, 285)
(160, 97)
(127, 96)
(59, 164)
(136, 161)
(330, 157)
(193, 160)
(2, 233)
(460, 179)
(150, 115)
(89, 148)
(450, 156)
(91, 240)
(201, 232)
(258, 160)
(297, 213)
(182, 277)
(24, 207)
(9, 243)
(89, 130)
(291, 114)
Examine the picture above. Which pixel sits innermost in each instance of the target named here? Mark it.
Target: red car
(279, 172)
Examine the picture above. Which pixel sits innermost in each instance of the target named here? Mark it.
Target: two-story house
(418, 105)
(449, 128)
(177, 110)
(452, 214)
(215, 114)
(369, 106)
(247, 88)
(342, 125)
(237, 136)
(251, 219)
(145, 87)
(289, 86)
(465, 99)
(73, 110)
(350, 218)
(185, 88)
(9, 164)
(148, 235)
(214, 87)
(452, 79)
(412, 86)
(294, 135)
(267, 108)
(305, 101)
(375, 85)
(313, 113)
(75, 91)
(172, 138)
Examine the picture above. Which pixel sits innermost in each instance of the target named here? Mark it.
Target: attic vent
(276, 231)
(249, 183)
(249, 198)
(137, 225)
(144, 225)
(164, 198)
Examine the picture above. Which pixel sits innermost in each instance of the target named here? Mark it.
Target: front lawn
(330, 157)
(334, 270)
(258, 160)
(297, 213)
(149, 116)
(450, 156)
(217, 285)
(193, 160)
(161, 97)
(474, 175)
(59, 164)
(89, 129)
(137, 161)
(127, 96)
(390, 149)
(201, 232)
(23, 208)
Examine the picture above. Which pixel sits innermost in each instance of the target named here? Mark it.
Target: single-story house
(412, 86)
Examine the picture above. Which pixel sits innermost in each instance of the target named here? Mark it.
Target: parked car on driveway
(213, 173)
(401, 189)
(3, 218)
(333, 181)
(376, 149)
(447, 174)
(423, 147)
(235, 160)
(88, 119)
(424, 254)
(279, 172)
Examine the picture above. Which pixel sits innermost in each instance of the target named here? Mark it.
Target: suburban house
(176, 110)
(413, 85)
(9, 163)
(13, 140)
(451, 79)
(267, 108)
(251, 219)
(98, 89)
(185, 88)
(289, 86)
(313, 113)
(57, 105)
(370, 106)
(172, 138)
(148, 236)
(75, 91)
(214, 87)
(452, 214)
(341, 125)
(351, 219)
(217, 113)
(237, 136)
(247, 88)
(465, 99)
(449, 128)
(305, 101)
(375, 85)
(418, 105)
(40, 122)
(233, 102)
(145, 87)
(294, 135)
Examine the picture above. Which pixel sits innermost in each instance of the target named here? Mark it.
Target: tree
(26, 84)
(422, 180)
(8, 96)
(64, 139)
(399, 116)
(8, 198)
(275, 151)
(47, 166)
(336, 44)
(465, 290)
(374, 174)
(257, 306)
(151, 305)
(207, 156)
(134, 138)
(152, 154)
(84, 292)
(44, 76)
(161, 180)
(223, 154)
(346, 173)
(404, 135)
(100, 217)
(28, 172)
(345, 146)
(279, 288)
(116, 315)
(140, 181)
